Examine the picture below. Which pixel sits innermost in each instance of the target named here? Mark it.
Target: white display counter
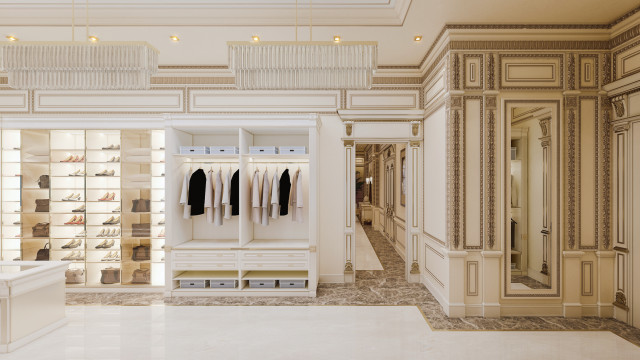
(32, 300)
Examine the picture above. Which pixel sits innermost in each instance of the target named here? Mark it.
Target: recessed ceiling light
(255, 38)
(11, 38)
(174, 38)
(93, 38)
(336, 38)
(417, 38)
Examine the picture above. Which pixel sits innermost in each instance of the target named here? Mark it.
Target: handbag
(74, 276)
(43, 254)
(141, 253)
(41, 230)
(42, 205)
(141, 205)
(141, 276)
(110, 275)
(43, 181)
(141, 230)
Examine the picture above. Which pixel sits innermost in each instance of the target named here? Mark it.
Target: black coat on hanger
(235, 193)
(285, 188)
(197, 186)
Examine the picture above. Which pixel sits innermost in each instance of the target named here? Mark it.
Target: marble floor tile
(295, 332)
(372, 287)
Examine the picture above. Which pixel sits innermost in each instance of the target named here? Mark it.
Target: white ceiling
(205, 26)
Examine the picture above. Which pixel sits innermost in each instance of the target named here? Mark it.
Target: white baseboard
(473, 310)
(332, 278)
(531, 310)
(33, 336)
(605, 310)
(491, 310)
(437, 293)
(572, 310)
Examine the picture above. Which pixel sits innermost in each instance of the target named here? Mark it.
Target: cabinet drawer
(205, 265)
(275, 265)
(275, 255)
(204, 255)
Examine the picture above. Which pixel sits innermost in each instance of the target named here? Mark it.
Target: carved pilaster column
(490, 174)
(413, 197)
(349, 226)
(455, 71)
(606, 133)
(454, 163)
(571, 72)
(572, 126)
(491, 71)
(545, 142)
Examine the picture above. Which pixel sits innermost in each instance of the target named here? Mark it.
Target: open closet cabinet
(241, 257)
(92, 197)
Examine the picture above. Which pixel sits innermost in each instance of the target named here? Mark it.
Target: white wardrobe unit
(238, 252)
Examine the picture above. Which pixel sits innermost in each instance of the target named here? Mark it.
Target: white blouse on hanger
(217, 200)
(296, 198)
(275, 196)
(265, 198)
(255, 198)
(226, 196)
(208, 198)
(184, 196)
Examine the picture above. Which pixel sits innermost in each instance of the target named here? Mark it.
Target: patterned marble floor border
(387, 287)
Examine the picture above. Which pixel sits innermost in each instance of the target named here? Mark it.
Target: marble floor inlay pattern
(385, 287)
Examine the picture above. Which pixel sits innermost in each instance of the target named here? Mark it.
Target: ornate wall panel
(588, 174)
(626, 61)
(588, 71)
(70, 101)
(473, 71)
(587, 278)
(383, 99)
(519, 71)
(472, 171)
(472, 278)
(14, 101)
(203, 100)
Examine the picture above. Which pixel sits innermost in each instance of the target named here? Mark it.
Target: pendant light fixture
(79, 65)
(263, 65)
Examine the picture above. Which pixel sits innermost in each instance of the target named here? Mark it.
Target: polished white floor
(366, 258)
(299, 332)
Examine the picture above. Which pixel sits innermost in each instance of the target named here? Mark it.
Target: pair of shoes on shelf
(75, 220)
(116, 210)
(72, 244)
(112, 221)
(17, 259)
(161, 222)
(72, 197)
(106, 244)
(17, 222)
(114, 159)
(74, 256)
(161, 234)
(109, 233)
(82, 233)
(72, 158)
(112, 256)
(108, 197)
(78, 173)
(111, 147)
(106, 173)
(162, 260)
(81, 208)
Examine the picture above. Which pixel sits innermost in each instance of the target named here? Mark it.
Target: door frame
(413, 210)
